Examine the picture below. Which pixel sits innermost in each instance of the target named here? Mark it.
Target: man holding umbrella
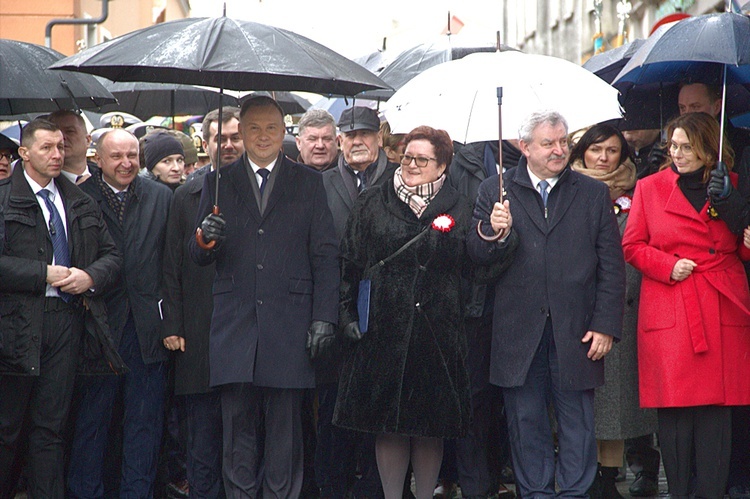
(275, 296)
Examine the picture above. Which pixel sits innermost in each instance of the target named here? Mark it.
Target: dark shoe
(504, 492)
(445, 490)
(644, 485)
(609, 485)
(178, 490)
(595, 491)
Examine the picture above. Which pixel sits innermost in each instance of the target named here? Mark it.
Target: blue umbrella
(608, 65)
(712, 49)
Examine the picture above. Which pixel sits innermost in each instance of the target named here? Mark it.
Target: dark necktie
(543, 185)
(264, 179)
(57, 234)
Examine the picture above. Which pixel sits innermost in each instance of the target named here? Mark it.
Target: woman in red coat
(694, 318)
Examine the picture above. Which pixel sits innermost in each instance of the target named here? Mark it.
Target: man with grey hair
(317, 140)
(558, 307)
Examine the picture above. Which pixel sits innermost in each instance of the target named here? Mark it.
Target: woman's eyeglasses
(421, 161)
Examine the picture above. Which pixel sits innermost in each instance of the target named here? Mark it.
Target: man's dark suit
(135, 318)
(568, 278)
(276, 272)
(40, 337)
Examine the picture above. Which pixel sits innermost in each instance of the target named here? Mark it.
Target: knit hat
(157, 146)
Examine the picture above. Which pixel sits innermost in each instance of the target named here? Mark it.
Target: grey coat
(617, 411)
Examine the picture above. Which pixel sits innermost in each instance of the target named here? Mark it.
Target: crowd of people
(379, 306)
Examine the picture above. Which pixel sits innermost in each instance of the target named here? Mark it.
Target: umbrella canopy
(27, 86)
(224, 53)
(696, 50)
(608, 65)
(374, 62)
(163, 99)
(461, 96)
(415, 60)
(290, 102)
(336, 105)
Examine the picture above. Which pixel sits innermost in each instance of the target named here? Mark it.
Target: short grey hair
(553, 118)
(316, 118)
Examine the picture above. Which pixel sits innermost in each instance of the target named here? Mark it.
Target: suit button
(35, 338)
(41, 251)
(712, 251)
(259, 302)
(543, 310)
(260, 232)
(260, 266)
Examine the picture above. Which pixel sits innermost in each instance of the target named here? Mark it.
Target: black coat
(141, 242)
(275, 273)
(407, 374)
(341, 192)
(569, 266)
(27, 250)
(188, 302)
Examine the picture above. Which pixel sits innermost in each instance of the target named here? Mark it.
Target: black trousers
(703, 431)
(44, 401)
(243, 407)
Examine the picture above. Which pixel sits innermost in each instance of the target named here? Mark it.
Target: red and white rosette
(623, 204)
(443, 223)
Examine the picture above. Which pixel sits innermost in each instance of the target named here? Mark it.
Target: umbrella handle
(199, 234)
(501, 191)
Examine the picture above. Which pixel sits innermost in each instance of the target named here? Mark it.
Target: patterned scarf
(419, 196)
(113, 200)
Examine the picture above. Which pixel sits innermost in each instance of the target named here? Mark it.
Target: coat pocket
(14, 330)
(224, 285)
(300, 286)
(657, 306)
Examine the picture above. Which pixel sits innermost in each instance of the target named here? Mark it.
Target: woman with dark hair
(694, 318)
(602, 153)
(405, 378)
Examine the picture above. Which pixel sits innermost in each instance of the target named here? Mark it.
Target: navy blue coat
(569, 266)
(141, 242)
(275, 273)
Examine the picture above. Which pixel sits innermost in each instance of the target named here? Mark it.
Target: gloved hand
(719, 185)
(656, 157)
(214, 228)
(319, 338)
(351, 332)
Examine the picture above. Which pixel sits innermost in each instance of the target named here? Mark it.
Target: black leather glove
(656, 157)
(319, 338)
(719, 185)
(351, 332)
(214, 228)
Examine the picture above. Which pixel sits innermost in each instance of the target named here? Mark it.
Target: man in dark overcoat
(57, 259)
(558, 308)
(361, 164)
(275, 300)
(135, 210)
(188, 304)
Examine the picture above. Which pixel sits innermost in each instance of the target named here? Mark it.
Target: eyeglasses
(6, 155)
(686, 149)
(420, 161)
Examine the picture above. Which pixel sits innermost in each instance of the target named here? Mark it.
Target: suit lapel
(283, 177)
(561, 197)
(238, 182)
(338, 184)
(528, 197)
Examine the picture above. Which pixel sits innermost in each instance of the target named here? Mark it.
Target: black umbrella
(27, 86)
(712, 49)
(608, 65)
(413, 61)
(289, 102)
(224, 53)
(163, 99)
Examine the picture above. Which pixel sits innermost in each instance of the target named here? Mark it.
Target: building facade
(567, 28)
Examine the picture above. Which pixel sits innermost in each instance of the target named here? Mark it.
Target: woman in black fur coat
(405, 377)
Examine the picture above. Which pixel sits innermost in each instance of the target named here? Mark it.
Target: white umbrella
(461, 96)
